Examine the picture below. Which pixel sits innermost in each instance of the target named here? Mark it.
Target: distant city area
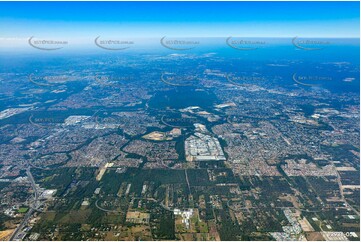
(251, 159)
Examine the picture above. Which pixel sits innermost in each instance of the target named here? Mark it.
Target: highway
(18, 234)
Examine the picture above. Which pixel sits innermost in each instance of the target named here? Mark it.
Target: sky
(189, 19)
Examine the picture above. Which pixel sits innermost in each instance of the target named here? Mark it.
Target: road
(18, 234)
(189, 186)
(343, 196)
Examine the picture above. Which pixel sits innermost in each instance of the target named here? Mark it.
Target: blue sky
(191, 19)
